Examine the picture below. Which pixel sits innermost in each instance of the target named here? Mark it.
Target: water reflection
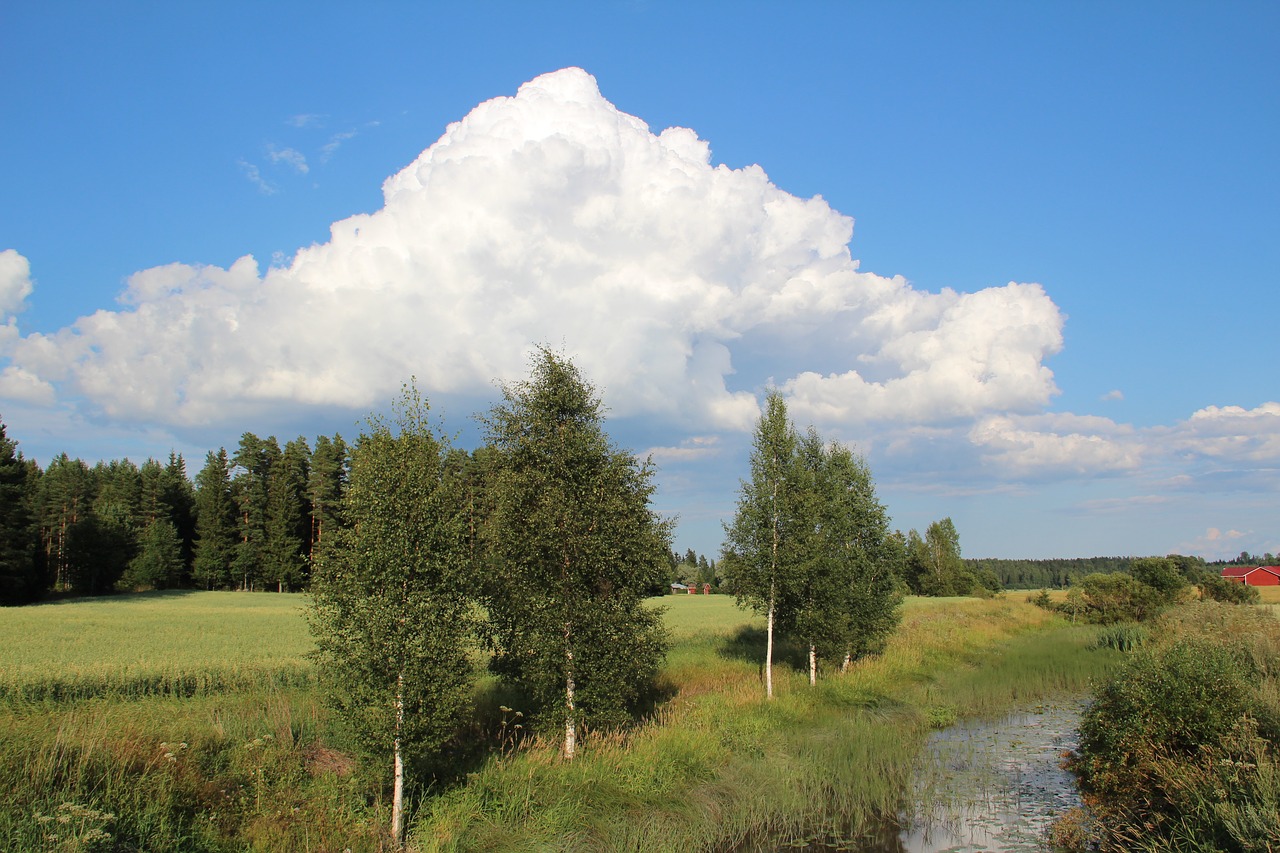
(993, 786)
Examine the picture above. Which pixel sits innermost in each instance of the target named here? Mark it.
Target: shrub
(1177, 751)
(1217, 588)
(1119, 597)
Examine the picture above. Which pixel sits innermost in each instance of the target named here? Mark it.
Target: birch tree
(390, 612)
(572, 546)
(760, 543)
(856, 566)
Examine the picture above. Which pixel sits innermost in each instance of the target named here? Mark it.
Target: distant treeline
(252, 519)
(1052, 574)
(1062, 573)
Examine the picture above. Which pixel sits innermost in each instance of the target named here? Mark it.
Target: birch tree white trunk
(813, 665)
(768, 655)
(570, 729)
(397, 796)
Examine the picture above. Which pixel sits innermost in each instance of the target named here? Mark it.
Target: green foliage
(390, 616)
(1162, 574)
(847, 593)
(809, 545)
(20, 579)
(1051, 573)
(1178, 749)
(760, 548)
(158, 564)
(1217, 588)
(1119, 598)
(934, 565)
(571, 548)
(215, 543)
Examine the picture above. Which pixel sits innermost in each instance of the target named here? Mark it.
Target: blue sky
(1116, 161)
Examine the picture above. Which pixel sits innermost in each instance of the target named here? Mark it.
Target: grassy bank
(248, 760)
(719, 768)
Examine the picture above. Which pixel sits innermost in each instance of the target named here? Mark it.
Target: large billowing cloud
(552, 217)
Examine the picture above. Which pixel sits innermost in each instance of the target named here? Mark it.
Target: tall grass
(167, 721)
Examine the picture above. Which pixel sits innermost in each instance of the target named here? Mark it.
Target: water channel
(995, 785)
(992, 786)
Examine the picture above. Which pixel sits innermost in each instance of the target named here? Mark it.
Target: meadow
(189, 721)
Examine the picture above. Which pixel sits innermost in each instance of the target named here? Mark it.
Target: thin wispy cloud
(335, 142)
(305, 120)
(290, 157)
(254, 176)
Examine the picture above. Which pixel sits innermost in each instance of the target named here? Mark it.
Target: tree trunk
(570, 731)
(768, 655)
(848, 660)
(397, 796)
(813, 665)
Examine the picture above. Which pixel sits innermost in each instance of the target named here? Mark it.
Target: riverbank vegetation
(1178, 752)
(248, 758)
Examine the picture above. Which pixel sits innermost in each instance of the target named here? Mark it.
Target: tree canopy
(571, 548)
(391, 611)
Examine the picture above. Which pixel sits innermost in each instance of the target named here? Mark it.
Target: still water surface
(995, 787)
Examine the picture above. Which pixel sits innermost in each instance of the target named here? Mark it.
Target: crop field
(153, 643)
(1270, 598)
(190, 722)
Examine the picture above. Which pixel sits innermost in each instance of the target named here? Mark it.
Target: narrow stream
(993, 786)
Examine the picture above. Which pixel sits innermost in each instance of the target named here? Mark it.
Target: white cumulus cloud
(1056, 444)
(553, 217)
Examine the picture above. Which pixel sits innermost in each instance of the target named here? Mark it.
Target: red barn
(1253, 575)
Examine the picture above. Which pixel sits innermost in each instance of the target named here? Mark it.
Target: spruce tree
(327, 478)
(215, 540)
(20, 579)
(158, 564)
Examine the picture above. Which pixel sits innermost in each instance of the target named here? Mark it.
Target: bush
(1217, 588)
(1119, 598)
(1177, 751)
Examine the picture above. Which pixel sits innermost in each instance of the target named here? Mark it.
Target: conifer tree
(255, 459)
(327, 477)
(20, 579)
(158, 564)
(287, 522)
(215, 542)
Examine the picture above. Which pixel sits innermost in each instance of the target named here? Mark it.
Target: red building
(1253, 575)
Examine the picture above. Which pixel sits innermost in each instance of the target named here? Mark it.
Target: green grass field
(189, 722)
(160, 642)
